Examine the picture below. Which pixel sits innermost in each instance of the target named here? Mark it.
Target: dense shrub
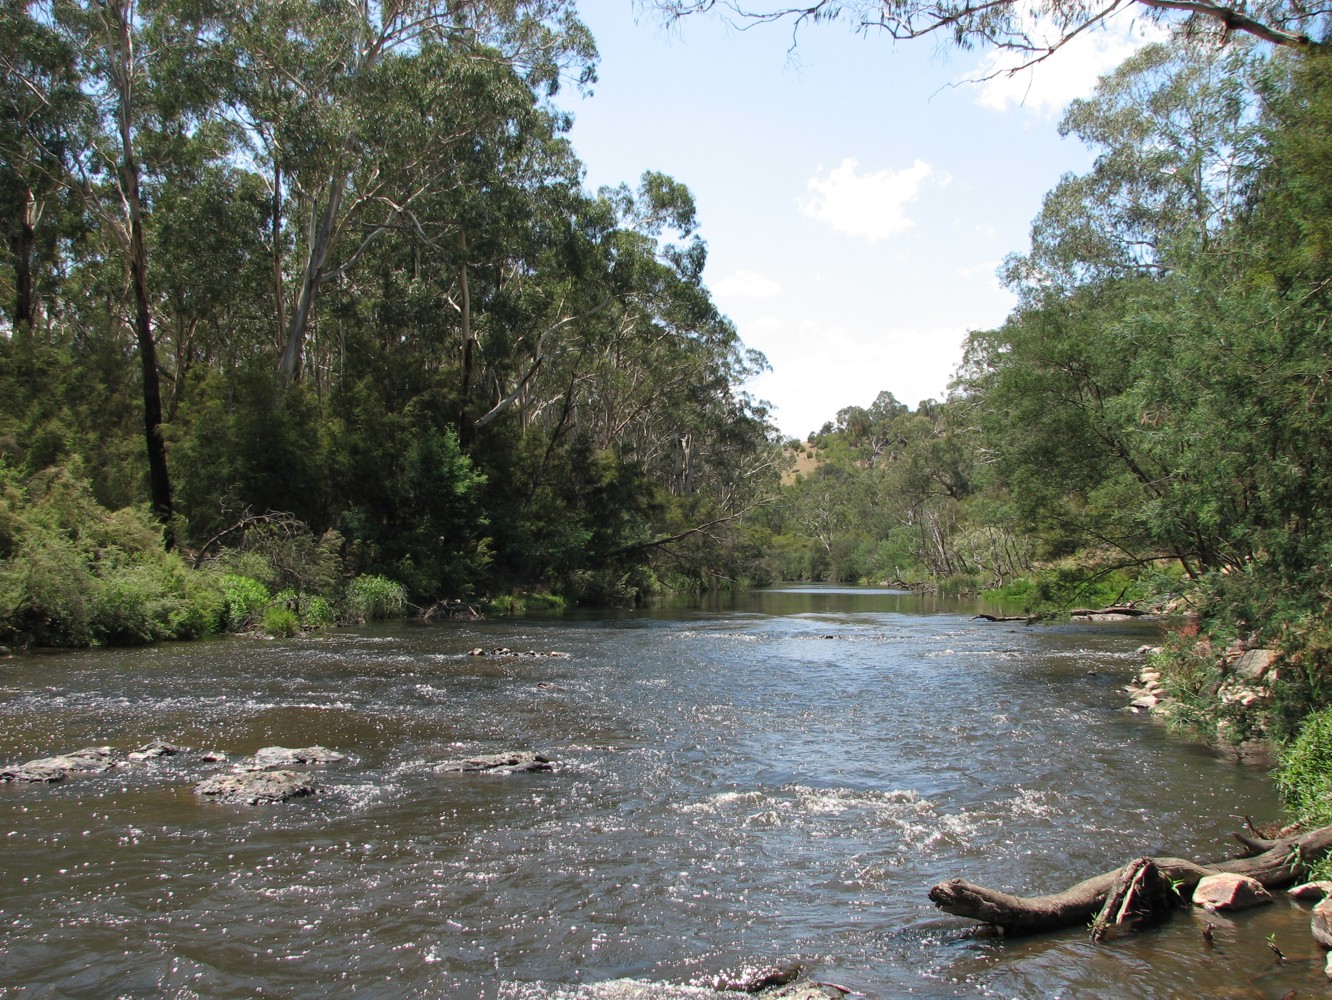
(245, 599)
(73, 573)
(375, 597)
(281, 622)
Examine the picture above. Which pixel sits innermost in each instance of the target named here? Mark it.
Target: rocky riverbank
(1225, 695)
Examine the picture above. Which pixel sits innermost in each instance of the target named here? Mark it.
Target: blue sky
(856, 194)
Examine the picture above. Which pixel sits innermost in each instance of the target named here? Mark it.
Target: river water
(777, 775)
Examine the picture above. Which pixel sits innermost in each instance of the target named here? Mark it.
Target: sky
(856, 194)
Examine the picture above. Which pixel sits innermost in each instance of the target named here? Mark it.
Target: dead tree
(1275, 863)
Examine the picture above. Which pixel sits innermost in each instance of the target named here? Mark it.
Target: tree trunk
(1274, 863)
(279, 293)
(465, 434)
(121, 45)
(322, 230)
(23, 242)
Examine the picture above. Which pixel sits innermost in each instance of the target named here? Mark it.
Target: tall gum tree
(39, 101)
(309, 74)
(113, 58)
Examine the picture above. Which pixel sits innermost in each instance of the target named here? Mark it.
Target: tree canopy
(1033, 31)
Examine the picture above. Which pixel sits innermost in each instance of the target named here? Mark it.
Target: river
(775, 775)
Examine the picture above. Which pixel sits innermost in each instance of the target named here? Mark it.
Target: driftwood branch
(1127, 610)
(1275, 863)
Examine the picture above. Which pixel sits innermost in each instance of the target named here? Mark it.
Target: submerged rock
(90, 760)
(291, 757)
(149, 751)
(509, 762)
(753, 979)
(255, 788)
(638, 989)
(529, 654)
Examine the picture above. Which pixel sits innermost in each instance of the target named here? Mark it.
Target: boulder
(1228, 891)
(1310, 890)
(90, 760)
(509, 762)
(1254, 663)
(1320, 923)
(290, 757)
(254, 788)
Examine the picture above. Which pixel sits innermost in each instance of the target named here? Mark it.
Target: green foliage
(373, 597)
(1304, 770)
(281, 622)
(244, 602)
(317, 612)
(74, 573)
(526, 603)
(1072, 584)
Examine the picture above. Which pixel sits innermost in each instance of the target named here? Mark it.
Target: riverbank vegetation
(304, 295)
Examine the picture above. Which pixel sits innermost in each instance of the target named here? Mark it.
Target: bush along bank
(1232, 694)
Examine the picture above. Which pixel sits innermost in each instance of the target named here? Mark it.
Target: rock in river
(256, 788)
(151, 751)
(510, 762)
(90, 760)
(289, 757)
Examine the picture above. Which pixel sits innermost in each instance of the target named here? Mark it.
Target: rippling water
(782, 775)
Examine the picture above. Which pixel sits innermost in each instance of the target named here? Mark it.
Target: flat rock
(527, 654)
(89, 760)
(1228, 891)
(1254, 663)
(509, 762)
(254, 788)
(755, 978)
(292, 757)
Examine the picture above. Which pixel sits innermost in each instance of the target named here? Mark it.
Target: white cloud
(870, 205)
(746, 284)
(847, 367)
(1071, 72)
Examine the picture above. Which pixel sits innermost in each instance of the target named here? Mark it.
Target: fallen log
(1128, 610)
(1275, 863)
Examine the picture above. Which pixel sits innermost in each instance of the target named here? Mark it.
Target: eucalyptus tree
(360, 110)
(1178, 137)
(1034, 31)
(39, 101)
(113, 59)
